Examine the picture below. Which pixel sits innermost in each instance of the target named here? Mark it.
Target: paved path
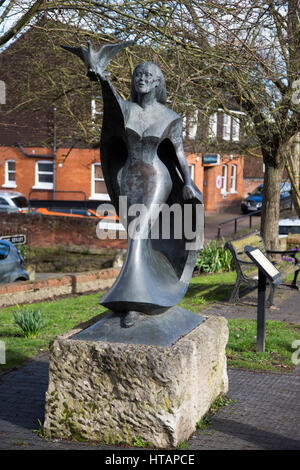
(263, 413)
(286, 308)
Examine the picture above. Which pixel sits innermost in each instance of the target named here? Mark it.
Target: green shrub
(213, 258)
(30, 321)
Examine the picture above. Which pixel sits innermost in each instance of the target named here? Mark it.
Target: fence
(235, 222)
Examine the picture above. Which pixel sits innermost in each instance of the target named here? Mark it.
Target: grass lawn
(208, 289)
(61, 315)
(64, 314)
(241, 347)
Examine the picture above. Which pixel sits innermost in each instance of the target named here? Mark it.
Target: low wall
(45, 289)
(50, 231)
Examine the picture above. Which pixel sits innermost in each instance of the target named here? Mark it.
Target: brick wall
(251, 184)
(49, 231)
(73, 170)
(214, 200)
(45, 289)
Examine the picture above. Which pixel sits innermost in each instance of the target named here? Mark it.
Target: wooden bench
(247, 271)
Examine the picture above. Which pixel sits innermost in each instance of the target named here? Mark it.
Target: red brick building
(73, 169)
(78, 175)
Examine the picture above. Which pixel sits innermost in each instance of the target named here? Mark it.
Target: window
(96, 107)
(3, 202)
(4, 251)
(224, 180)
(226, 126)
(193, 127)
(10, 174)
(44, 175)
(2, 92)
(233, 179)
(99, 190)
(190, 125)
(192, 171)
(184, 133)
(235, 129)
(212, 126)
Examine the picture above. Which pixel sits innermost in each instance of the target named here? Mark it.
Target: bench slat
(247, 271)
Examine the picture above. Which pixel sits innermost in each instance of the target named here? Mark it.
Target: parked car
(70, 212)
(12, 201)
(108, 222)
(11, 263)
(287, 226)
(254, 201)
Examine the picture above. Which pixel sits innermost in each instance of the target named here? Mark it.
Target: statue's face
(145, 79)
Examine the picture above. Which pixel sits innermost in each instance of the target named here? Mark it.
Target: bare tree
(250, 50)
(212, 52)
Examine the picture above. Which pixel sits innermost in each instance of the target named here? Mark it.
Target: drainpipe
(54, 153)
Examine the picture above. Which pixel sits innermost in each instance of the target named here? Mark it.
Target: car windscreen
(286, 229)
(258, 191)
(20, 201)
(4, 250)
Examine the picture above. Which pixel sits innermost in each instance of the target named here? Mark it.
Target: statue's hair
(161, 92)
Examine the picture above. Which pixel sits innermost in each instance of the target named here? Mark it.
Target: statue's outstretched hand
(188, 192)
(97, 61)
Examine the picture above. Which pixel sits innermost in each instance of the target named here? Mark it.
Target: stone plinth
(116, 392)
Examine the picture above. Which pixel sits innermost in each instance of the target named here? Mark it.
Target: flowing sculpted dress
(139, 161)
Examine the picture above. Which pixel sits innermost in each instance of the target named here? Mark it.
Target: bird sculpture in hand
(97, 61)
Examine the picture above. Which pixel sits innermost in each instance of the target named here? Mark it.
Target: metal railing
(250, 215)
(235, 221)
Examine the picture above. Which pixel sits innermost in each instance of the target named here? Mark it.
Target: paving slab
(263, 413)
(286, 307)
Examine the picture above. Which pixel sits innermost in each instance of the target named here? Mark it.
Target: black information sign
(266, 270)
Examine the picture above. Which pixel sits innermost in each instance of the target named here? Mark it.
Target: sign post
(266, 270)
(19, 239)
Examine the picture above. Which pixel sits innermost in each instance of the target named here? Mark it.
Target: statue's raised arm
(97, 61)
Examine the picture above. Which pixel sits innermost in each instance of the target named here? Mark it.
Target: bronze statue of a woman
(142, 158)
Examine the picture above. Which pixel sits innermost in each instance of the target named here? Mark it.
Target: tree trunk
(293, 168)
(271, 205)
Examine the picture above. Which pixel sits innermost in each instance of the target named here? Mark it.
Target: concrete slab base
(119, 392)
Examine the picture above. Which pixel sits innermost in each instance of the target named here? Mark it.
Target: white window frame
(94, 108)
(190, 125)
(233, 179)
(193, 125)
(184, 133)
(8, 183)
(94, 195)
(213, 126)
(39, 184)
(2, 92)
(226, 126)
(235, 129)
(192, 170)
(224, 179)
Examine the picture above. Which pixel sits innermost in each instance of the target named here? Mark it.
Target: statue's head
(145, 78)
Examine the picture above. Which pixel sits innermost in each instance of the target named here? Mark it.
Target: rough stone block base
(114, 393)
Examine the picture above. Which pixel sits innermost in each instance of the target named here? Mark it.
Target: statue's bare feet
(130, 319)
